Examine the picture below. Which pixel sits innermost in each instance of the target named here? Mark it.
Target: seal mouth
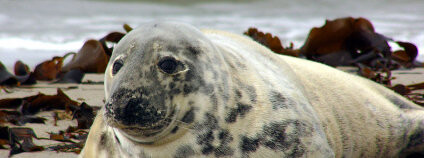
(142, 133)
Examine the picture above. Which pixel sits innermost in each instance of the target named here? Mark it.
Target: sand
(93, 95)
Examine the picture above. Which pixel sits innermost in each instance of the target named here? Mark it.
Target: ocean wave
(29, 44)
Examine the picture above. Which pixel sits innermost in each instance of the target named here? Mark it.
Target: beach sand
(93, 95)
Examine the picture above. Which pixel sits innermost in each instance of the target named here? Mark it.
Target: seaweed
(413, 92)
(19, 111)
(272, 42)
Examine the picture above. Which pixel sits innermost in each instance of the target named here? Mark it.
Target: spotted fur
(224, 95)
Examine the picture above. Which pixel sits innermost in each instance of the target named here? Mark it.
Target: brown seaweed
(24, 74)
(113, 37)
(21, 110)
(407, 56)
(127, 28)
(85, 116)
(48, 70)
(21, 69)
(270, 41)
(72, 76)
(345, 41)
(6, 78)
(412, 92)
(20, 140)
(91, 58)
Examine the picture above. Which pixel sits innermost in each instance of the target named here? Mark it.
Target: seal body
(174, 91)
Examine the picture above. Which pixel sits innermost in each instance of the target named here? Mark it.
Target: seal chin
(140, 132)
(143, 137)
(143, 134)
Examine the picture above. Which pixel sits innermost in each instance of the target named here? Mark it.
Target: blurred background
(36, 30)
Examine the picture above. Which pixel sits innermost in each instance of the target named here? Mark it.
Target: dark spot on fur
(209, 131)
(172, 85)
(248, 144)
(176, 78)
(207, 149)
(252, 93)
(172, 48)
(188, 89)
(240, 110)
(193, 50)
(174, 92)
(224, 135)
(250, 90)
(184, 151)
(188, 116)
(238, 94)
(211, 121)
(223, 149)
(103, 140)
(416, 139)
(275, 136)
(174, 130)
(189, 75)
(277, 100)
(205, 140)
(105, 143)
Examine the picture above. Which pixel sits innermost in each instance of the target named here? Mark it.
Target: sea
(36, 30)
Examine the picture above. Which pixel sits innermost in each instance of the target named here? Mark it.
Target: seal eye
(168, 65)
(116, 66)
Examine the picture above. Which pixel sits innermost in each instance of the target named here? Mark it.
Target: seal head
(148, 79)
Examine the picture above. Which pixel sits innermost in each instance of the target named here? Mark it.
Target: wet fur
(238, 99)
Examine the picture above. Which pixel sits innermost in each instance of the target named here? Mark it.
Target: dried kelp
(382, 76)
(407, 56)
(48, 70)
(270, 41)
(414, 92)
(6, 78)
(349, 41)
(17, 118)
(72, 76)
(19, 111)
(21, 69)
(127, 28)
(346, 41)
(20, 140)
(90, 58)
(93, 57)
(22, 72)
(113, 37)
(85, 115)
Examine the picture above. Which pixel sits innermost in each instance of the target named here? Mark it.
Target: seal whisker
(185, 125)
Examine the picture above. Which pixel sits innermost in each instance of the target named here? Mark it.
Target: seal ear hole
(117, 66)
(170, 65)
